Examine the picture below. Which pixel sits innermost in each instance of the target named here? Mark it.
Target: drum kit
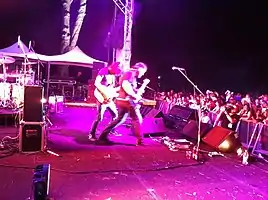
(12, 84)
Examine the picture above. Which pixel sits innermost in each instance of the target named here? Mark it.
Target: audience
(223, 110)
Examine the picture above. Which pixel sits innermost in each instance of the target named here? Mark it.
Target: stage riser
(7, 119)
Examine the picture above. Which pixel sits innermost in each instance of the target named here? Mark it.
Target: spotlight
(41, 182)
(43, 100)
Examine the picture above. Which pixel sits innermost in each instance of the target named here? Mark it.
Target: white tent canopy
(15, 49)
(74, 57)
(19, 51)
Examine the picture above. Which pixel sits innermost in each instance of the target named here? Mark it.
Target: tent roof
(15, 48)
(74, 57)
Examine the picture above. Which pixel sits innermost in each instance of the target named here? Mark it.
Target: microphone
(178, 68)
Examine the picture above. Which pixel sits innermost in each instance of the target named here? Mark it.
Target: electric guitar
(107, 95)
(140, 91)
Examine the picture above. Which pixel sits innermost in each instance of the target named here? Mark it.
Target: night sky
(221, 44)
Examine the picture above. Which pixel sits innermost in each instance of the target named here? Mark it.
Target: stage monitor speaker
(222, 139)
(152, 127)
(154, 113)
(183, 113)
(191, 129)
(33, 105)
(31, 136)
(97, 66)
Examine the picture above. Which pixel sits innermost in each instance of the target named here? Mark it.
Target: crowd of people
(219, 109)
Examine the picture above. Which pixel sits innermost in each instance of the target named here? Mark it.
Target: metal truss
(127, 8)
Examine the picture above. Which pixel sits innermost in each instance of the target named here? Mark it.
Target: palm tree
(78, 23)
(70, 38)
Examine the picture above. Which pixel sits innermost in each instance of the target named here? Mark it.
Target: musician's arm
(98, 84)
(129, 89)
(117, 89)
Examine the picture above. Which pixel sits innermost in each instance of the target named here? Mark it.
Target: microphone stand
(26, 60)
(195, 153)
(38, 66)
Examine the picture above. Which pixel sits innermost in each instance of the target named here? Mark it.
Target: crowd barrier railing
(250, 133)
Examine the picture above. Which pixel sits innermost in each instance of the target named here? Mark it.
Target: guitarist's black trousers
(99, 118)
(125, 108)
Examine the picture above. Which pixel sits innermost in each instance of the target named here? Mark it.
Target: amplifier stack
(32, 127)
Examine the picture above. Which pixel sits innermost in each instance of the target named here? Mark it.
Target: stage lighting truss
(127, 8)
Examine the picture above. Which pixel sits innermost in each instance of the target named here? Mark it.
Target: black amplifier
(32, 136)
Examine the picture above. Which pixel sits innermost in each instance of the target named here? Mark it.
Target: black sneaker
(92, 138)
(139, 142)
(104, 141)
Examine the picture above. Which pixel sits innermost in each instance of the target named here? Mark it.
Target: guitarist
(126, 102)
(105, 81)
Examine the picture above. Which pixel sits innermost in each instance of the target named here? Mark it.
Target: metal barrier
(251, 134)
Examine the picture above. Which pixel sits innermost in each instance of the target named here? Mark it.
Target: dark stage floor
(123, 171)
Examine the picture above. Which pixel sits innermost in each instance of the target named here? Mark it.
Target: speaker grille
(33, 106)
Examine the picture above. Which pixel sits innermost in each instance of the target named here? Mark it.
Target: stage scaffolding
(127, 8)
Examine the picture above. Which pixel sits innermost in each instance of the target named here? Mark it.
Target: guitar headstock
(146, 81)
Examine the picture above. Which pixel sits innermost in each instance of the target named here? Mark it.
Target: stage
(123, 171)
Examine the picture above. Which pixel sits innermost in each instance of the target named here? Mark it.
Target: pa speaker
(31, 136)
(183, 113)
(153, 127)
(191, 129)
(33, 105)
(223, 139)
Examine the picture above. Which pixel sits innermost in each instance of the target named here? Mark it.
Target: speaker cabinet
(31, 136)
(33, 105)
(153, 127)
(191, 129)
(222, 139)
(183, 113)
(97, 66)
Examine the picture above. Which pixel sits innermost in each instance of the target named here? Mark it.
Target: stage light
(230, 144)
(224, 145)
(41, 179)
(43, 100)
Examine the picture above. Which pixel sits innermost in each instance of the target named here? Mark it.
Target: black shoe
(104, 141)
(92, 137)
(139, 142)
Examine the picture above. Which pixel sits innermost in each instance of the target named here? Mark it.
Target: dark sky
(221, 44)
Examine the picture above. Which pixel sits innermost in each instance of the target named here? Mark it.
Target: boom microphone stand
(195, 153)
(39, 62)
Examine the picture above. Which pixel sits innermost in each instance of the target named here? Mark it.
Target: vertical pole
(48, 80)
(129, 13)
(114, 24)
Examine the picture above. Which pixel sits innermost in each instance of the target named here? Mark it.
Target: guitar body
(140, 92)
(107, 96)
